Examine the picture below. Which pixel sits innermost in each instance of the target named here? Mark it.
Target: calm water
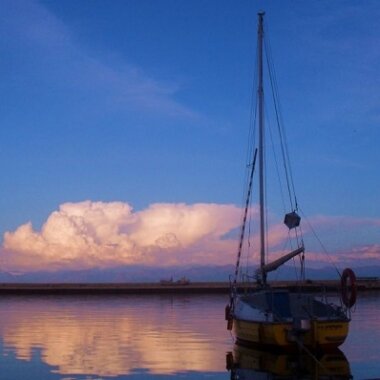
(158, 337)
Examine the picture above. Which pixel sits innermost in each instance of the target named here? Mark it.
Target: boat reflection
(252, 363)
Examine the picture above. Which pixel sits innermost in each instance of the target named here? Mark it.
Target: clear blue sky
(148, 101)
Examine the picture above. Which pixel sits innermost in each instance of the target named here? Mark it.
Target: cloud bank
(99, 234)
(91, 234)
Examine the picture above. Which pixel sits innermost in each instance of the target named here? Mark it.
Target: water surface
(153, 337)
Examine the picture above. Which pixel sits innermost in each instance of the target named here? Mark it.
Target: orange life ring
(348, 287)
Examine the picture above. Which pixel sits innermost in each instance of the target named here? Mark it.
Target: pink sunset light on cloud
(91, 234)
(99, 234)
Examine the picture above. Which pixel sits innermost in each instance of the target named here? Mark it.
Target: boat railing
(232, 285)
(331, 296)
(247, 282)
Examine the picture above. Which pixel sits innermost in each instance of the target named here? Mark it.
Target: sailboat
(268, 316)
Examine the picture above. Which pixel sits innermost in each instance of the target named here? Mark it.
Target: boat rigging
(264, 315)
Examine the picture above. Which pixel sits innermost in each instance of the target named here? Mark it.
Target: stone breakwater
(157, 288)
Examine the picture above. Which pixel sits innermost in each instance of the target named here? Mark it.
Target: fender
(348, 287)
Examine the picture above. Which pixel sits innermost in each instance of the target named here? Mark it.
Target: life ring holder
(348, 287)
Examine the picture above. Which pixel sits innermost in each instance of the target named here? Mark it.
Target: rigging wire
(250, 222)
(250, 162)
(281, 130)
(252, 119)
(284, 150)
(276, 164)
(251, 150)
(242, 232)
(298, 235)
(288, 176)
(265, 178)
(320, 242)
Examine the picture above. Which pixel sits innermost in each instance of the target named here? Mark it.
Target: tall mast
(260, 94)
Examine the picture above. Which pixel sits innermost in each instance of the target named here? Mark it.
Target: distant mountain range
(155, 274)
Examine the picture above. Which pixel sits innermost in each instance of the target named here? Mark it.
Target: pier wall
(156, 288)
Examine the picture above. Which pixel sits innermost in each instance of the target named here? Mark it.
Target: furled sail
(282, 260)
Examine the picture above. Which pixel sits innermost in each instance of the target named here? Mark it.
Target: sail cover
(282, 260)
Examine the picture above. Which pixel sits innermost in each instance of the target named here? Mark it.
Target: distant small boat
(275, 317)
(181, 281)
(167, 282)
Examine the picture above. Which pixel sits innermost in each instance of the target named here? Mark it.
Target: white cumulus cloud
(100, 234)
(107, 234)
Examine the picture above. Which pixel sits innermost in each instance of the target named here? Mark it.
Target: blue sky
(148, 102)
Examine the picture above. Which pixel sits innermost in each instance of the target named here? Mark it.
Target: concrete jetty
(157, 288)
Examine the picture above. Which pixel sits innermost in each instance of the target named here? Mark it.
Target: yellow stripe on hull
(320, 334)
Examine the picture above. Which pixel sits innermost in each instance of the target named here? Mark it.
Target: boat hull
(321, 334)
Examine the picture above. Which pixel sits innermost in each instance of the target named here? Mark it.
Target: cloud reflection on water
(144, 336)
(114, 336)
